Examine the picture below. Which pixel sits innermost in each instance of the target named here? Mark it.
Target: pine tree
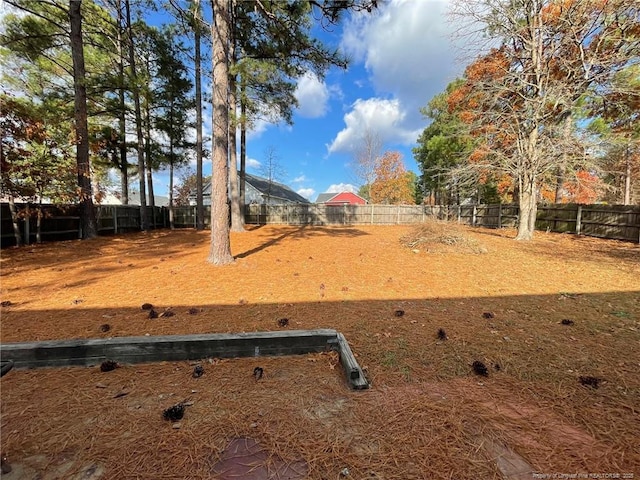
(277, 33)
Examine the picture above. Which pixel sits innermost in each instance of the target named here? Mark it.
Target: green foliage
(38, 161)
(414, 187)
(165, 101)
(37, 55)
(364, 192)
(274, 47)
(615, 122)
(443, 145)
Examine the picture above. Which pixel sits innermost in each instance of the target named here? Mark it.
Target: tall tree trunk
(528, 152)
(12, 204)
(220, 253)
(237, 222)
(559, 183)
(14, 221)
(171, 170)
(527, 200)
(144, 224)
(122, 114)
(152, 200)
(87, 212)
(243, 148)
(171, 213)
(198, 85)
(627, 178)
(147, 150)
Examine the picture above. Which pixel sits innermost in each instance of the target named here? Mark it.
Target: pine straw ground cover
(427, 415)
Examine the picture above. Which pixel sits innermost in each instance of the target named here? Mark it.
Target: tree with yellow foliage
(393, 183)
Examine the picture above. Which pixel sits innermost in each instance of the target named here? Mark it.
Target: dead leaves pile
(441, 237)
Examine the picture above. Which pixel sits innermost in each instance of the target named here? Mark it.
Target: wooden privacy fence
(318, 214)
(619, 222)
(62, 222)
(314, 214)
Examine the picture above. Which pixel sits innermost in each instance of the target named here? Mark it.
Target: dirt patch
(427, 415)
(244, 458)
(511, 465)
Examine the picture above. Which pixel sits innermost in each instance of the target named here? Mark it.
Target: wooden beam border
(132, 350)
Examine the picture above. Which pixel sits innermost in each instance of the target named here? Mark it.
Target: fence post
(372, 213)
(398, 215)
(115, 219)
(459, 213)
(579, 220)
(473, 216)
(499, 215)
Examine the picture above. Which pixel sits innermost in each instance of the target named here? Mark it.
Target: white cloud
(335, 91)
(341, 187)
(407, 48)
(409, 54)
(253, 163)
(312, 95)
(258, 128)
(306, 193)
(299, 179)
(385, 118)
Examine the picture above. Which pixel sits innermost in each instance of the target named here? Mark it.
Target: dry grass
(426, 416)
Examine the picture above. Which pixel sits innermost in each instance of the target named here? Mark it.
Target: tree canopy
(518, 104)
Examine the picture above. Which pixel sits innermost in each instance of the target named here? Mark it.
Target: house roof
(266, 188)
(325, 197)
(274, 189)
(134, 199)
(328, 197)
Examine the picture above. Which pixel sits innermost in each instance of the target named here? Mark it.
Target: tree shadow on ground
(532, 397)
(301, 233)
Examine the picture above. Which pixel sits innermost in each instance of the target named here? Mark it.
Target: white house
(134, 199)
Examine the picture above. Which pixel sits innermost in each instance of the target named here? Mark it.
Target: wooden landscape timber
(132, 350)
(355, 375)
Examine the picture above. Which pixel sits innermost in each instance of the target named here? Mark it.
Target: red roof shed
(344, 198)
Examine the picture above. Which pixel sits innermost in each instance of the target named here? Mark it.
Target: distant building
(258, 190)
(342, 198)
(134, 199)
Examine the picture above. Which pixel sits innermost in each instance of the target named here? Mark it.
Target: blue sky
(401, 56)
